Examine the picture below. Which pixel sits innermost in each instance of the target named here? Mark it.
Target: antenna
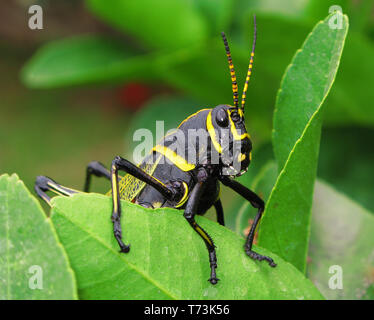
(232, 71)
(250, 64)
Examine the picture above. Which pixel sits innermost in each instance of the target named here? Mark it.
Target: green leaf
(297, 128)
(342, 234)
(28, 242)
(83, 60)
(305, 86)
(158, 24)
(167, 260)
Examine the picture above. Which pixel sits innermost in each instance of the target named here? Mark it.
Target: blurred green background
(77, 90)
(70, 92)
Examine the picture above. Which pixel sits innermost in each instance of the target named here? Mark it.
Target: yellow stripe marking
(235, 132)
(115, 191)
(202, 233)
(56, 189)
(185, 196)
(156, 204)
(241, 157)
(61, 190)
(192, 115)
(179, 161)
(212, 133)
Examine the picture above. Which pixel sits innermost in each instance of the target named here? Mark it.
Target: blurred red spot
(134, 95)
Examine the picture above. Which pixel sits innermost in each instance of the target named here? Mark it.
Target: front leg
(122, 164)
(257, 203)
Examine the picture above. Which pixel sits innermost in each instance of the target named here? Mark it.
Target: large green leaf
(167, 260)
(33, 264)
(297, 128)
(158, 24)
(83, 60)
(342, 235)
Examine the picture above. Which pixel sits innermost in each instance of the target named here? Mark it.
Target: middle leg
(97, 169)
(189, 214)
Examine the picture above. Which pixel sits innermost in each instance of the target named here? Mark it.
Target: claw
(213, 280)
(259, 257)
(125, 249)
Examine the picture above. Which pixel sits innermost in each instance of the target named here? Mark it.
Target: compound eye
(235, 116)
(222, 118)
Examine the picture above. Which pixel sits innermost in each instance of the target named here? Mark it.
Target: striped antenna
(232, 71)
(250, 64)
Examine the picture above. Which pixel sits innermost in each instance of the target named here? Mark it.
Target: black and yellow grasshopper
(168, 178)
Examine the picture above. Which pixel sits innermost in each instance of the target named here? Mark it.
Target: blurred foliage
(192, 58)
(346, 161)
(343, 237)
(91, 59)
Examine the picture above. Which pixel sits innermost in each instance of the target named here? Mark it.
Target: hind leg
(44, 184)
